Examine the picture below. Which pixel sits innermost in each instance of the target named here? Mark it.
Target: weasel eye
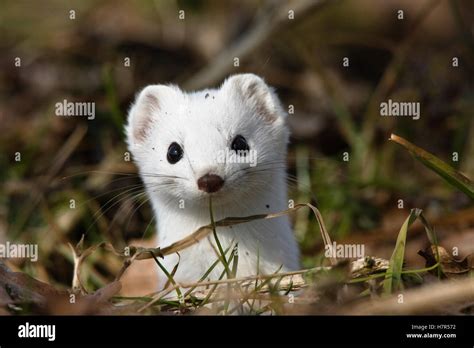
(239, 144)
(175, 153)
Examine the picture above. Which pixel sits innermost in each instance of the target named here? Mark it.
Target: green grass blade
(209, 270)
(173, 272)
(393, 278)
(235, 263)
(218, 243)
(168, 275)
(432, 238)
(214, 287)
(448, 173)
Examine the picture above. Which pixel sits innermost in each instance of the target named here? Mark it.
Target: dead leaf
(21, 287)
(106, 293)
(42, 298)
(449, 265)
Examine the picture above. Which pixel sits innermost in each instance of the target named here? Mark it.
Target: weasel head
(227, 142)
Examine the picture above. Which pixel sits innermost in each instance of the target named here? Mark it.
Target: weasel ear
(256, 94)
(145, 111)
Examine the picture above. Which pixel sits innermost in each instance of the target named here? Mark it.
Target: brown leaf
(91, 304)
(21, 287)
(449, 265)
(106, 293)
(5, 299)
(42, 298)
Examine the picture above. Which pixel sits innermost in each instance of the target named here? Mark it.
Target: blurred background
(73, 177)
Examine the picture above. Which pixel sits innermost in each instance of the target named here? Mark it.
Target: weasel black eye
(240, 144)
(175, 153)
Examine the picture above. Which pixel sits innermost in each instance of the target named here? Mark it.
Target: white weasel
(176, 139)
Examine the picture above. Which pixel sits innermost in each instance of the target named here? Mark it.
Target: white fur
(204, 126)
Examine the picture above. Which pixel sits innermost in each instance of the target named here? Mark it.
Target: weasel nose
(210, 183)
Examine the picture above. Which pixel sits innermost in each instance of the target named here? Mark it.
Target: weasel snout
(210, 183)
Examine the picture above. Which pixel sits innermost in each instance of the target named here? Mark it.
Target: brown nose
(210, 183)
